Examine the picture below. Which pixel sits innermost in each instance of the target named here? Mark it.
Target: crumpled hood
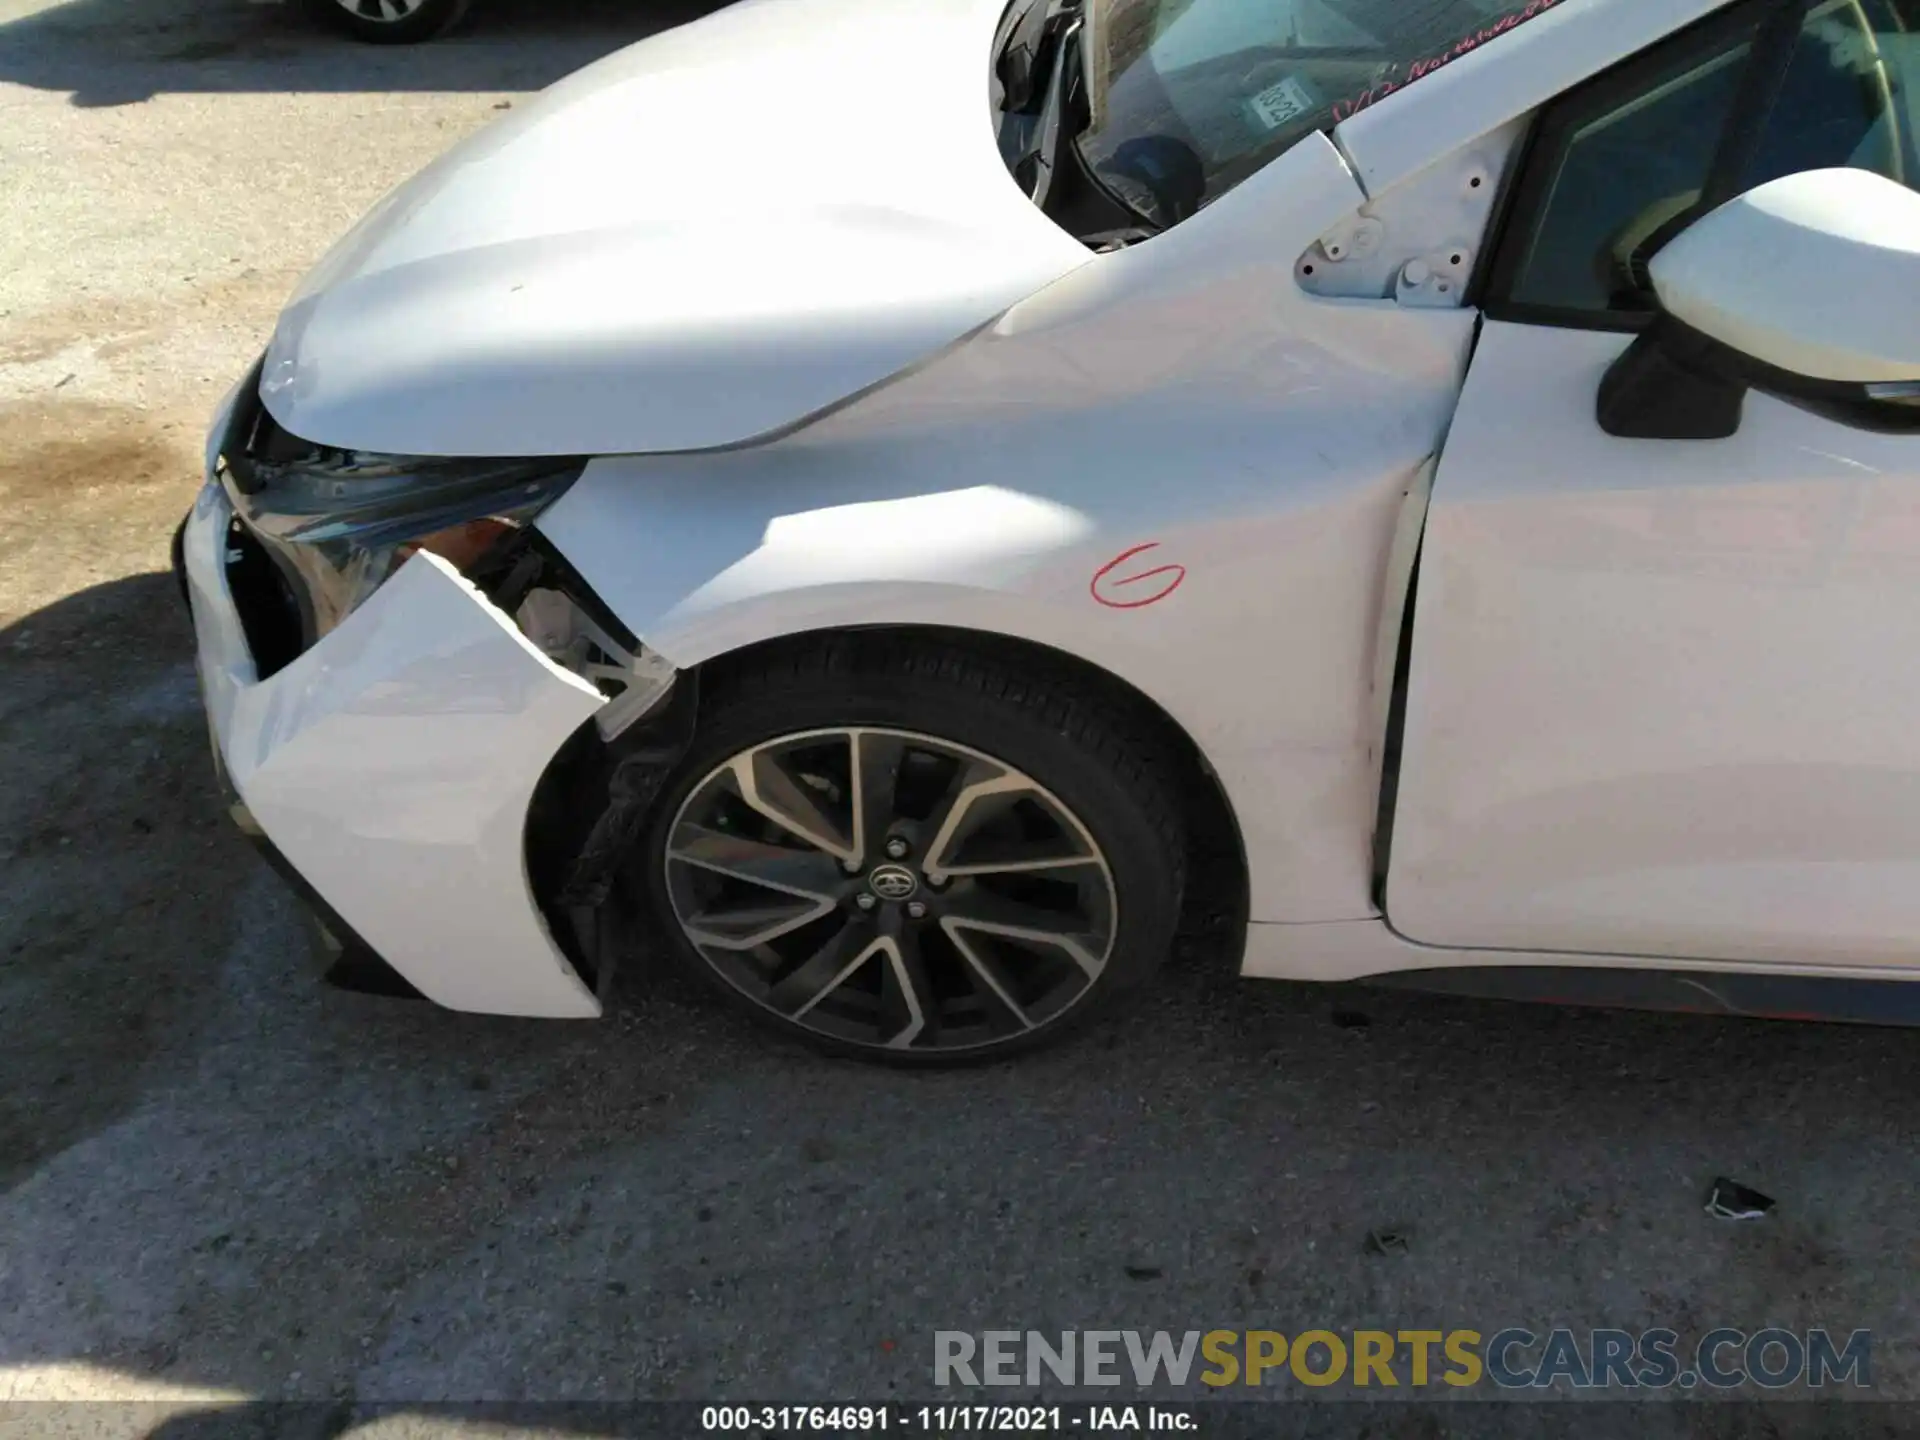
(703, 238)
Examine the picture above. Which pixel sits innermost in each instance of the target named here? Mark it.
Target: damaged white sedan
(876, 498)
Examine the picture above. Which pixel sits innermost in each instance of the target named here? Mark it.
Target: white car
(1458, 458)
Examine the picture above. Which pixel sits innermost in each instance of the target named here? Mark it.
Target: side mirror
(1807, 287)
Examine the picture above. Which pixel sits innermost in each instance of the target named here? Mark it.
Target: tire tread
(1103, 726)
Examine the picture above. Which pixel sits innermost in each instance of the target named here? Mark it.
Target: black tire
(1107, 767)
(361, 19)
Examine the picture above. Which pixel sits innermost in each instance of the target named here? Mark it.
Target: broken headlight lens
(341, 522)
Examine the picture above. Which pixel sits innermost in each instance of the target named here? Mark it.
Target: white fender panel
(1184, 395)
(393, 764)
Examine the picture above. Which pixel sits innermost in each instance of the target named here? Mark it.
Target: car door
(1663, 698)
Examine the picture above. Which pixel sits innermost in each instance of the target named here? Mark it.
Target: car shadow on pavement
(215, 1173)
(116, 871)
(124, 52)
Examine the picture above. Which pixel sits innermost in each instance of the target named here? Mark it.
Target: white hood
(705, 237)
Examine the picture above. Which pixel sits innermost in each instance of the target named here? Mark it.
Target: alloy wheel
(380, 12)
(891, 890)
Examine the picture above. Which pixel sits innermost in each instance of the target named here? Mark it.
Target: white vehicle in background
(1454, 459)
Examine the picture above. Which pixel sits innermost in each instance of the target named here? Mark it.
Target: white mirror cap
(1816, 273)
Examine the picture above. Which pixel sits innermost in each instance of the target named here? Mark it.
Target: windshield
(1232, 83)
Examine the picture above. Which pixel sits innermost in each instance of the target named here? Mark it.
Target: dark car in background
(389, 22)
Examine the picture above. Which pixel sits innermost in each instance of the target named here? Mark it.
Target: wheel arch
(575, 792)
(1216, 903)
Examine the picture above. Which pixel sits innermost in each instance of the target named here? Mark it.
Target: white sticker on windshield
(1276, 105)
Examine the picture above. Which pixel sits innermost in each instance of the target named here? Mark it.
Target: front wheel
(389, 22)
(916, 854)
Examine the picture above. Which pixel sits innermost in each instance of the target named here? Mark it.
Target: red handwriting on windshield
(1120, 586)
(1467, 44)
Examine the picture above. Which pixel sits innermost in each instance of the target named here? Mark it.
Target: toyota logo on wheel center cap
(893, 882)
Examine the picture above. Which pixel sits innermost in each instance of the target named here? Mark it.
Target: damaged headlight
(340, 522)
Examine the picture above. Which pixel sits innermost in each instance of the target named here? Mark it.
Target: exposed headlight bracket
(636, 680)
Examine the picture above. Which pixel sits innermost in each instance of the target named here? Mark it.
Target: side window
(1621, 164)
(1635, 164)
(1848, 97)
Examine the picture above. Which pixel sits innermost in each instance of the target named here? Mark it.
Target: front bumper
(341, 957)
(390, 769)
